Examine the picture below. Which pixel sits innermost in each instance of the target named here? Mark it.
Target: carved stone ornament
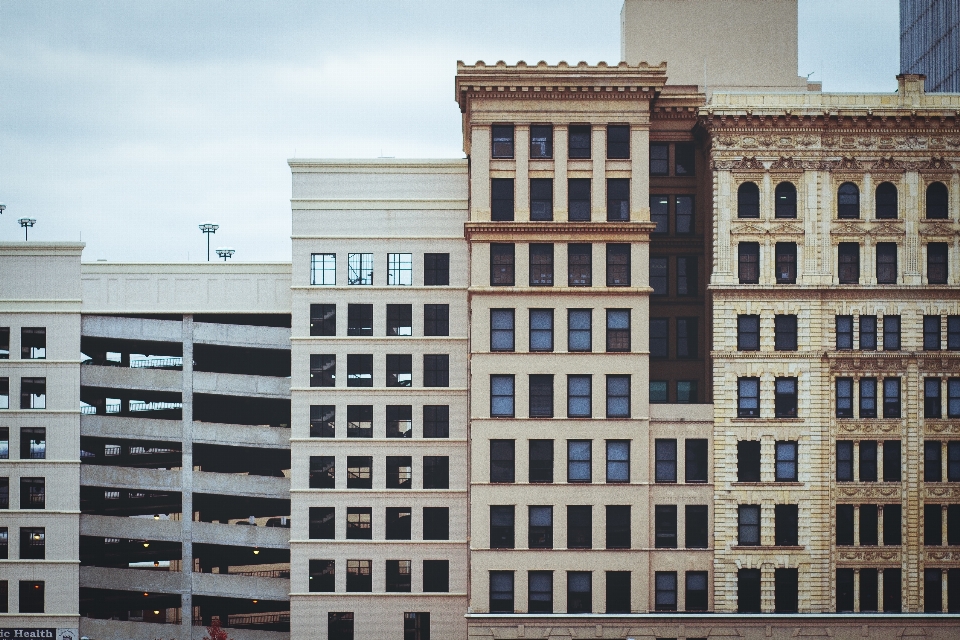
(868, 492)
(748, 163)
(846, 163)
(787, 228)
(784, 163)
(748, 228)
(940, 555)
(944, 362)
(935, 164)
(849, 228)
(942, 491)
(867, 363)
(868, 427)
(941, 427)
(888, 164)
(872, 556)
(936, 229)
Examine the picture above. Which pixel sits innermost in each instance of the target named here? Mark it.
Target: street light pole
(208, 228)
(225, 252)
(26, 223)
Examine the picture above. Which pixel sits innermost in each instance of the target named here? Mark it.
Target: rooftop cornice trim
(35, 248)
(378, 165)
(561, 67)
(542, 228)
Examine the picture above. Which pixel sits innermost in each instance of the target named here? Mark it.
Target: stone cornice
(539, 231)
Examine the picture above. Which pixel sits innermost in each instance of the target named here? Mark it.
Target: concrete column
(521, 180)
(856, 461)
(856, 525)
(943, 590)
(480, 174)
(640, 171)
(560, 208)
(879, 516)
(880, 589)
(598, 185)
(186, 483)
(943, 524)
(856, 590)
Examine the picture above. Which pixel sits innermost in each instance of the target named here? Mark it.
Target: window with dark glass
(4, 443)
(541, 265)
(32, 543)
(541, 329)
(540, 527)
(684, 214)
(844, 532)
(660, 213)
(579, 330)
(748, 397)
(785, 332)
(359, 421)
(844, 387)
(399, 472)
(687, 276)
(748, 333)
(659, 334)
(360, 320)
(886, 204)
(579, 592)
(937, 263)
(618, 265)
(579, 527)
(618, 526)
(785, 590)
(749, 262)
(322, 472)
(665, 460)
(786, 525)
(436, 523)
(786, 255)
(953, 398)
(33, 343)
(696, 526)
(436, 370)
(540, 461)
(937, 201)
(541, 198)
(579, 265)
(501, 396)
(618, 141)
(399, 370)
(539, 592)
(891, 461)
(869, 592)
(687, 392)
(398, 576)
(436, 421)
(359, 576)
(541, 396)
(886, 263)
(618, 396)
(844, 461)
(618, 592)
(436, 319)
(748, 461)
(33, 393)
(501, 527)
(687, 338)
(436, 472)
(618, 199)
(578, 199)
(696, 460)
(748, 525)
(892, 524)
(785, 398)
(399, 320)
(868, 333)
(785, 201)
(502, 461)
(618, 461)
(579, 144)
(891, 333)
(891, 397)
(659, 159)
(32, 596)
(501, 199)
(684, 159)
(579, 463)
(933, 590)
(4, 493)
(33, 443)
(658, 276)
(436, 269)
(416, 624)
(501, 592)
(4, 345)
(932, 398)
(579, 396)
(360, 369)
(848, 263)
(541, 141)
(322, 576)
(359, 472)
(665, 590)
(696, 591)
(868, 461)
(397, 524)
(618, 330)
(786, 461)
(322, 525)
(665, 526)
(845, 590)
(323, 319)
(748, 200)
(502, 140)
(502, 329)
(848, 201)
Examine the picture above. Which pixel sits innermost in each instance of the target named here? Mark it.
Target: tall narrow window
(33, 443)
(665, 596)
(541, 461)
(687, 338)
(891, 463)
(868, 333)
(696, 597)
(684, 155)
(399, 421)
(748, 200)
(785, 397)
(748, 525)
(931, 333)
(540, 592)
(937, 263)
(665, 526)
(541, 141)
(868, 461)
(579, 527)
(659, 334)
(541, 265)
(579, 396)
(659, 159)
(618, 330)
(579, 465)
(436, 526)
(886, 204)
(658, 275)
(618, 527)
(323, 269)
(359, 576)
(749, 262)
(748, 398)
(684, 215)
(785, 332)
(541, 396)
(399, 370)
(932, 462)
(579, 141)
(844, 331)
(502, 329)
(400, 269)
(687, 276)
(578, 199)
(848, 263)
(696, 460)
(322, 472)
(322, 524)
(953, 333)
(787, 461)
(696, 530)
(541, 198)
(844, 461)
(579, 592)
(868, 525)
(891, 333)
(618, 199)
(748, 333)
(891, 397)
(436, 370)
(748, 461)
(618, 141)
(618, 461)
(540, 527)
(502, 263)
(501, 199)
(501, 396)
(786, 525)
(786, 254)
(541, 329)
(502, 135)
(665, 463)
(844, 397)
(886, 263)
(360, 268)
(953, 398)
(937, 201)
(501, 592)
(618, 396)
(4, 345)
(33, 393)
(848, 201)
(579, 330)
(436, 472)
(323, 370)
(502, 527)
(785, 201)
(33, 493)
(618, 592)
(786, 590)
(845, 590)
(502, 461)
(660, 213)
(618, 265)
(579, 265)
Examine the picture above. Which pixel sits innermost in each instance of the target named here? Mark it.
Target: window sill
(768, 547)
(773, 484)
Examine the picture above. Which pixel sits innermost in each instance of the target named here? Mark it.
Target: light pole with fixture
(225, 252)
(26, 223)
(208, 228)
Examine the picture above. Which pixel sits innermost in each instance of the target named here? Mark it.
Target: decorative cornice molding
(536, 230)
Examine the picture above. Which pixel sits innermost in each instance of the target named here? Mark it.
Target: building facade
(930, 42)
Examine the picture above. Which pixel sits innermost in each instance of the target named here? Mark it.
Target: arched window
(748, 201)
(848, 201)
(886, 201)
(785, 200)
(937, 201)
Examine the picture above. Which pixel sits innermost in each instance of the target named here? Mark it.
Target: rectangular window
(659, 273)
(932, 526)
(868, 525)
(399, 320)
(399, 472)
(502, 461)
(539, 592)
(932, 400)
(501, 199)
(4, 493)
(579, 396)
(618, 527)
(659, 159)
(541, 141)
(32, 543)
(359, 472)
(660, 213)
(397, 523)
(933, 590)
(578, 193)
(786, 255)
(399, 421)
(33, 493)
(501, 592)
(322, 523)
(687, 338)
(785, 398)
(937, 263)
(696, 460)
(786, 590)
(891, 397)
(541, 265)
(696, 526)
(579, 463)
(618, 330)
(932, 461)
(436, 269)
(953, 524)
(618, 141)
(665, 597)
(579, 330)
(501, 527)
(684, 159)
(787, 461)
(579, 142)
(360, 268)
(892, 595)
(659, 337)
(748, 397)
(540, 527)
(4, 443)
(360, 370)
(748, 461)
(868, 461)
(748, 333)
(579, 265)
(323, 472)
(845, 590)
(666, 460)
(953, 336)
(436, 320)
(436, 370)
(579, 527)
(618, 199)
(748, 525)
(4, 345)
(687, 276)
(891, 332)
(749, 262)
(359, 421)
(359, 523)
(868, 332)
(399, 370)
(400, 269)
(323, 319)
(359, 576)
(684, 212)
(436, 523)
(31, 596)
(501, 396)
(436, 421)
(844, 388)
(359, 319)
(502, 329)
(886, 263)
(844, 461)
(868, 397)
(844, 330)
(891, 461)
(33, 443)
(618, 396)
(416, 625)
(436, 472)
(848, 263)
(541, 198)
(892, 524)
(618, 461)
(398, 576)
(541, 329)
(786, 525)
(322, 576)
(618, 592)
(696, 592)
(340, 625)
(33, 343)
(665, 526)
(579, 592)
(785, 332)
(502, 135)
(953, 398)
(931, 333)
(323, 269)
(869, 591)
(618, 265)
(501, 264)
(540, 459)
(33, 393)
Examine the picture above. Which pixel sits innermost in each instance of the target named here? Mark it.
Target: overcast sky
(129, 123)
